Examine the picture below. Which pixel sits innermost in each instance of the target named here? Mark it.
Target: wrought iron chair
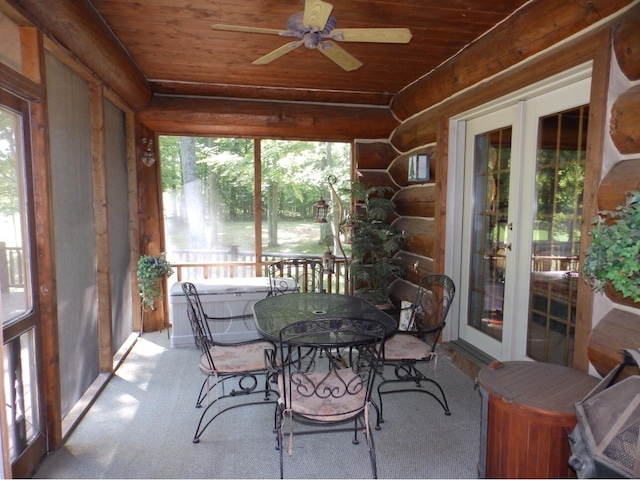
(244, 362)
(295, 275)
(415, 346)
(326, 391)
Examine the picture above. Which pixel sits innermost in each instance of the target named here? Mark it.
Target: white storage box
(221, 297)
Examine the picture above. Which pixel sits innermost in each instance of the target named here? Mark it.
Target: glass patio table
(273, 313)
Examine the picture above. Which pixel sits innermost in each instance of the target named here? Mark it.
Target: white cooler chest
(220, 297)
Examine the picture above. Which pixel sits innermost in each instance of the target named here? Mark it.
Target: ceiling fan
(316, 29)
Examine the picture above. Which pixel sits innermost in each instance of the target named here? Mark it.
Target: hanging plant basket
(151, 271)
(613, 258)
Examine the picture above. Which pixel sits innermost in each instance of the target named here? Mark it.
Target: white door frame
(455, 181)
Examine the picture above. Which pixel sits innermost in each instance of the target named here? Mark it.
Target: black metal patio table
(273, 313)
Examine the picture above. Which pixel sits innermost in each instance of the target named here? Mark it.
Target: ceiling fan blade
(277, 53)
(340, 56)
(316, 14)
(237, 28)
(374, 35)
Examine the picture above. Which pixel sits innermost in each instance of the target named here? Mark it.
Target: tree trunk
(192, 193)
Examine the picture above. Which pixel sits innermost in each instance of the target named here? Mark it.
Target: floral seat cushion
(236, 358)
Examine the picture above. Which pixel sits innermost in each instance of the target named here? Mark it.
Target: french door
(19, 305)
(523, 174)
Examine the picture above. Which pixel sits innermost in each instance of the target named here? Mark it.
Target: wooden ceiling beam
(238, 118)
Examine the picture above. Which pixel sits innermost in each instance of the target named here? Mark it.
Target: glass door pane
(560, 166)
(486, 269)
(14, 252)
(492, 167)
(19, 312)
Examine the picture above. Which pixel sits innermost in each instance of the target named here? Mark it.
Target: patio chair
(295, 275)
(326, 391)
(245, 363)
(408, 349)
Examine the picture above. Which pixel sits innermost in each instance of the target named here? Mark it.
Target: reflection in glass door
(492, 166)
(560, 166)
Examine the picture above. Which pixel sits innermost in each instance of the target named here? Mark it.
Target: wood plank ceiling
(174, 46)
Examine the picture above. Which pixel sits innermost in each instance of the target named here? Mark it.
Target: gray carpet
(142, 425)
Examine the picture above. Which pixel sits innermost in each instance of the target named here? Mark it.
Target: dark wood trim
(16, 83)
(134, 218)
(47, 292)
(101, 228)
(441, 160)
(254, 119)
(273, 94)
(595, 154)
(150, 221)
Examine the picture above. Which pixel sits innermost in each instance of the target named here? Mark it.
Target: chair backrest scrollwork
(295, 275)
(431, 306)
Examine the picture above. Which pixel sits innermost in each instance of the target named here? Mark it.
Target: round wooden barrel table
(528, 413)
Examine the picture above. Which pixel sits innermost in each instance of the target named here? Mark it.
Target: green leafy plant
(151, 270)
(613, 258)
(375, 243)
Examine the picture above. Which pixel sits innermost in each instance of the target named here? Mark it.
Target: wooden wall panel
(151, 224)
(420, 240)
(617, 330)
(626, 43)
(416, 201)
(280, 120)
(415, 267)
(625, 119)
(399, 168)
(624, 176)
(379, 178)
(372, 155)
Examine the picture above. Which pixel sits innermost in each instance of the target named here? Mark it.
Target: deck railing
(206, 264)
(11, 267)
(193, 265)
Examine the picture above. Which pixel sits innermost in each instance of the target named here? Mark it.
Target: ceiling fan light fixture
(315, 27)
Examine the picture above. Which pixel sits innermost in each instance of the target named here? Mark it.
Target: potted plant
(151, 270)
(374, 243)
(613, 258)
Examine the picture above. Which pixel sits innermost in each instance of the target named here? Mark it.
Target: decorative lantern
(329, 261)
(320, 210)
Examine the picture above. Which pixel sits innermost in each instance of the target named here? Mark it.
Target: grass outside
(294, 236)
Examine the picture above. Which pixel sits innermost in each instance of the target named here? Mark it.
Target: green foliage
(9, 173)
(375, 243)
(613, 258)
(151, 270)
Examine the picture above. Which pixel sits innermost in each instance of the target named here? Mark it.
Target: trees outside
(209, 190)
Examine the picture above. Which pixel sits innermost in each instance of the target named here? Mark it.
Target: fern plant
(151, 270)
(613, 258)
(375, 243)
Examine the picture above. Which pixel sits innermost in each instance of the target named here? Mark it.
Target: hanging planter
(151, 271)
(613, 258)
